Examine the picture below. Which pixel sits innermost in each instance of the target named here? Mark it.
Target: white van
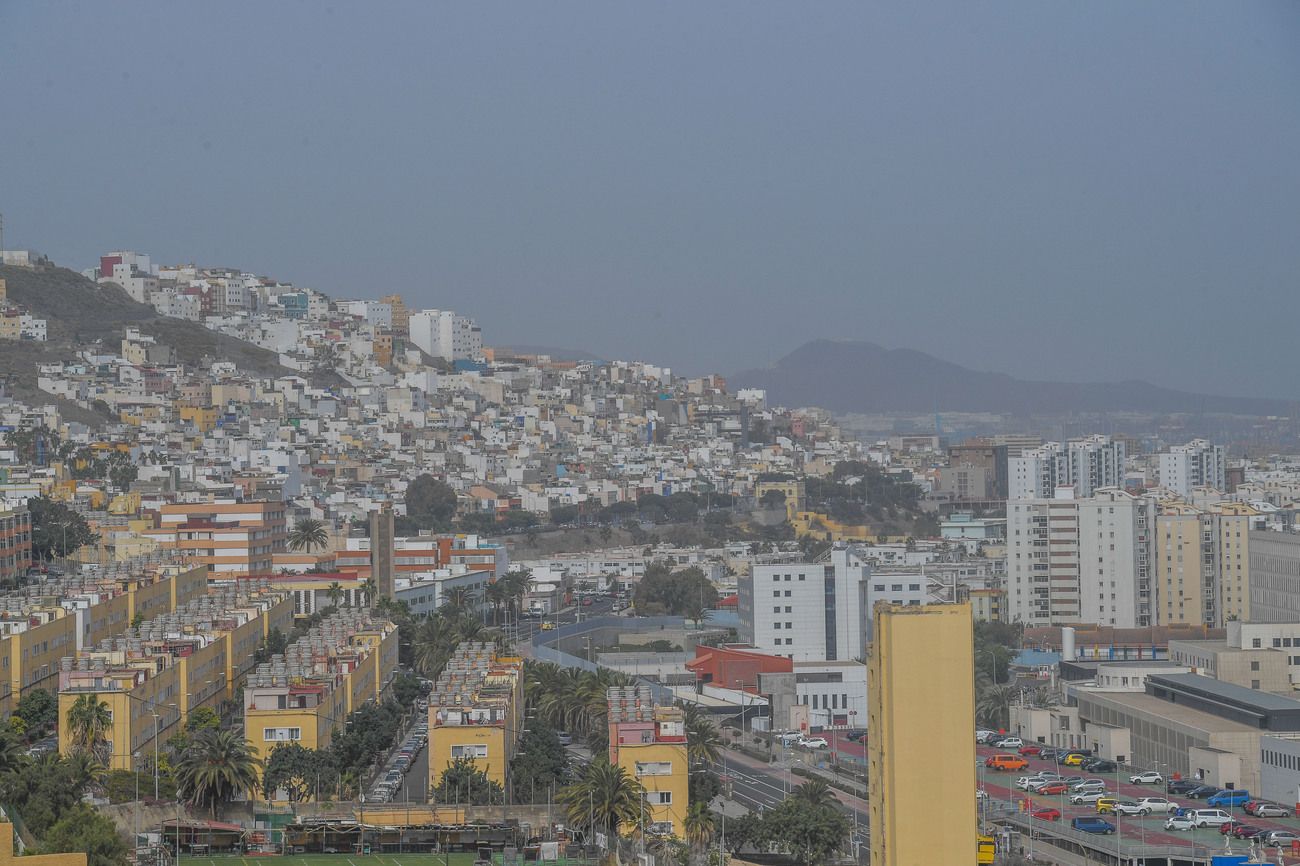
(1208, 817)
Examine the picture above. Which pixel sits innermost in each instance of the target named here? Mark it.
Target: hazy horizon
(1082, 193)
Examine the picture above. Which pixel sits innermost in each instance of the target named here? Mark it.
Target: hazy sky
(1085, 190)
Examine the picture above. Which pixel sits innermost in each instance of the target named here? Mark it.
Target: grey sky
(1089, 190)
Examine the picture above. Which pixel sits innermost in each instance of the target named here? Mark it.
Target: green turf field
(342, 860)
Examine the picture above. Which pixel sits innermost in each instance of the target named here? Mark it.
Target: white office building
(1197, 464)
(807, 612)
(443, 334)
(1080, 560)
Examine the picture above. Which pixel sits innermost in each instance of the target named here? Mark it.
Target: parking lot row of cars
(392, 780)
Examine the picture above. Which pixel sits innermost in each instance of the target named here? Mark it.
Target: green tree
(57, 530)
(603, 798)
(430, 503)
(993, 704)
(301, 773)
(121, 472)
(89, 720)
(308, 534)
(216, 766)
(747, 831)
(815, 792)
(464, 783)
(679, 593)
(699, 827)
(39, 711)
(82, 829)
(335, 593)
(406, 688)
(12, 754)
(202, 719)
(812, 834)
(702, 740)
(539, 763)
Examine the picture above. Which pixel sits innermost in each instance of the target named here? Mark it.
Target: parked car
(1074, 759)
(1208, 817)
(1088, 785)
(814, 742)
(1147, 805)
(1009, 743)
(1048, 754)
(1092, 825)
(1087, 797)
(1046, 814)
(1072, 780)
(1228, 798)
(1039, 783)
(1263, 809)
(1182, 786)
(1200, 792)
(1229, 828)
(1030, 749)
(565, 738)
(1052, 788)
(1111, 804)
(1246, 831)
(1103, 766)
(1005, 762)
(1277, 838)
(855, 735)
(1150, 777)
(1180, 822)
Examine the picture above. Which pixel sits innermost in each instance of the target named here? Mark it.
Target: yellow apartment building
(921, 692)
(1202, 559)
(476, 712)
(153, 677)
(8, 858)
(649, 742)
(305, 694)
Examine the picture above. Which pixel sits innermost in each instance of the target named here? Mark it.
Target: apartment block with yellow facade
(227, 536)
(649, 742)
(921, 692)
(305, 694)
(476, 712)
(1202, 562)
(154, 676)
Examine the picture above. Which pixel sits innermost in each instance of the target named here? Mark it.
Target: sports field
(345, 860)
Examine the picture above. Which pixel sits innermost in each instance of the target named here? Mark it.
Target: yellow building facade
(8, 858)
(649, 743)
(1202, 562)
(921, 692)
(475, 712)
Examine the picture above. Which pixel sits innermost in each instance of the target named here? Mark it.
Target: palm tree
(604, 797)
(308, 534)
(702, 740)
(367, 590)
(815, 792)
(699, 827)
(85, 770)
(12, 753)
(216, 765)
(335, 592)
(496, 594)
(993, 705)
(89, 720)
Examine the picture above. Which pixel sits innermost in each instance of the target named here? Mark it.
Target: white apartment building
(1199, 463)
(1080, 560)
(835, 693)
(443, 334)
(807, 612)
(1085, 464)
(375, 313)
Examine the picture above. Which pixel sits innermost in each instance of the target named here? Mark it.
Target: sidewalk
(781, 772)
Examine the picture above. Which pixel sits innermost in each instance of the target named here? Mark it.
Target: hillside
(862, 377)
(81, 312)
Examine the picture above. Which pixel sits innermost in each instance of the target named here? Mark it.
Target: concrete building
(1279, 769)
(305, 694)
(1202, 562)
(807, 611)
(228, 537)
(649, 743)
(1197, 464)
(1080, 560)
(443, 334)
(919, 653)
(1259, 669)
(15, 541)
(1084, 464)
(1274, 576)
(476, 712)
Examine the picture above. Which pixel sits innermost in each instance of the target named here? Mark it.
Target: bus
(985, 849)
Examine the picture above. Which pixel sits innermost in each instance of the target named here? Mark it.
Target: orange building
(735, 667)
(15, 542)
(231, 538)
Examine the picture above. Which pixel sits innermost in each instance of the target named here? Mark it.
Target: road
(524, 631)
(1149, 830)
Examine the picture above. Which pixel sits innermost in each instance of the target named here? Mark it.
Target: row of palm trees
(209, 769)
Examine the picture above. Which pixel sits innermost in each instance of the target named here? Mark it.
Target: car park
(1150, 777)
(1145, 806)
(1009, 743)
(1092, 825)
(1087, 797)
(1180, 822)
(1261, 809)
(1046, 814)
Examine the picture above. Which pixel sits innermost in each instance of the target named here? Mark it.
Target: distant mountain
(861, 377)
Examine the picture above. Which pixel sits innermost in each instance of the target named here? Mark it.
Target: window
(897, 587)
(789, 641)
(281, 735)
(914, 587)
(1254, 684)
(654, 768)
(469, 750)
(659, 798)
(775, 578)
(1277, 642)
(1254, 642)
(880, 587)
(776, 593)
(787, 608)
(776, 609)
(787, 593)
(1254, 666)
(801, 577)
(776, 625)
